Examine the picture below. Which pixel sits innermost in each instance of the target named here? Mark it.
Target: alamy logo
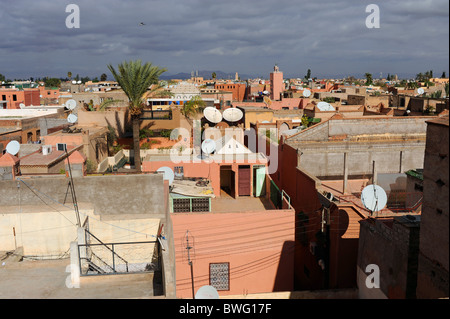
(373, 19)
(73, 19)
(373, 279)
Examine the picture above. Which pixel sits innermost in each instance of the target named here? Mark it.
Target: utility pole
(188, 247)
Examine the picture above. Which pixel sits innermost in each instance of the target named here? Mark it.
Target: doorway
(227, 181)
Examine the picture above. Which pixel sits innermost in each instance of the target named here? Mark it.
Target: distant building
(276, 84)
(15, 97)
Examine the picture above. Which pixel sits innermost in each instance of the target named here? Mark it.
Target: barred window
(219, 276)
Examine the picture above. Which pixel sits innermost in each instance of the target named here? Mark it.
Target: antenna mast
(188, 247)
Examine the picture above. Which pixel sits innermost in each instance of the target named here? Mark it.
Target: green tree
(192, 107)
(103, 77)
(69, 75)
(369, 79)
(52, 82)
(214, 75)
(308, 74)
(2, 77)
(135, 78)
(443, 76)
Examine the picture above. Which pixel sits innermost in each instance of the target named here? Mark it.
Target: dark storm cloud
(330, 37)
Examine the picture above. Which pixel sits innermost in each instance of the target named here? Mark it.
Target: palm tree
(194, 106)
(135, 78)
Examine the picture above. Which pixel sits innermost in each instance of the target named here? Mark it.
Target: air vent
(46, 149)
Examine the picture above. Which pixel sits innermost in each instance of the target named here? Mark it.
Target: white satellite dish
(266, 92)
(420, 91)
(74, 82)
(207, 292)
(168, 174)
(72, 118)
(79, 82)
(13, 148)
(212, 114)
(232, 114)
(374, 198)
(71, 104)
(21, 105)
(208, 146)
(306, 93)
(324, 106)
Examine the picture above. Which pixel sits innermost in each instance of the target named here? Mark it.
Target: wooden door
(244, 182)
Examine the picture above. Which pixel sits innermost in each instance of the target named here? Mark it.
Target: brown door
(244, 181)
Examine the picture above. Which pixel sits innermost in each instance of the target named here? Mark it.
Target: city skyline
(329, 38)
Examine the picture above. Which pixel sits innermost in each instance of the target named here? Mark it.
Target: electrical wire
(54, 200)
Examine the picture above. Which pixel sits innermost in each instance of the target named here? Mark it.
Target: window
(219, 276)
(179, 171)
(14, 97)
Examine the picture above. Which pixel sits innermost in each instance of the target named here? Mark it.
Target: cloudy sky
(330, 37)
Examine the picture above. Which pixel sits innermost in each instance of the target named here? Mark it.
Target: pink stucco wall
(259, 247)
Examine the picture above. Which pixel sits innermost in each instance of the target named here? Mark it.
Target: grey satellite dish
(212, 114)
(232, 114)
(420, 91)
(374, 198)
(71, 104)
(72, 118)
(168, 174)
(22, 106)
(208, 146)
(207, 292)
(306, 93)
(13, 148)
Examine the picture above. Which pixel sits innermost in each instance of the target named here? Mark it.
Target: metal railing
(156, 115)
(397, 202)
(118, 258)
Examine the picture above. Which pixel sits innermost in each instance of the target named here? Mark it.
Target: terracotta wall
(258, 246)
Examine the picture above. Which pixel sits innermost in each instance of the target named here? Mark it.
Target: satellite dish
(168, 174)
(420, 91)
(72, 118)
(212, 114)
(232, 114)
(208, 146)
(21, 105)
(306, 93)
(374, 198)
(324, 106)
(13, 148)
(207, 292)
(71, 104)
(74, 82)
(266, 92)
(79, 82)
